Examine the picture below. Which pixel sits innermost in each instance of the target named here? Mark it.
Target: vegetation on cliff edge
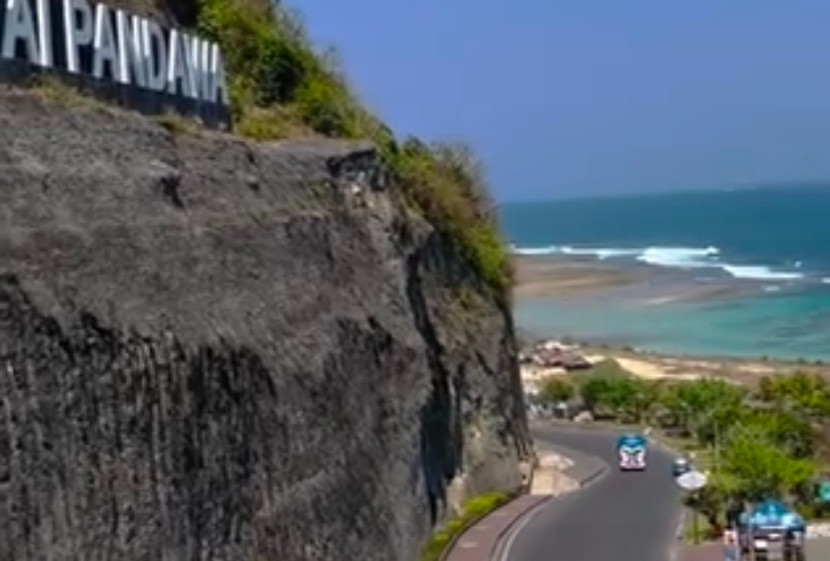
(280, 87)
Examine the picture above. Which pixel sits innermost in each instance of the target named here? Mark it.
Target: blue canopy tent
(771, 530)
(774, 514)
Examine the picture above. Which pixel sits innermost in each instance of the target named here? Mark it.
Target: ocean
(766, 249)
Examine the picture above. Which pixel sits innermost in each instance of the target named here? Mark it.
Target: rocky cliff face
(211, 349)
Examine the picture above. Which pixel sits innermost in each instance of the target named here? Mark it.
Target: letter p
(77, 22)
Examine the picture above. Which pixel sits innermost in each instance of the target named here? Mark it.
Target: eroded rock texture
(215, 350)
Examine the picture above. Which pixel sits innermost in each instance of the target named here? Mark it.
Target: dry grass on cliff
(281, 87)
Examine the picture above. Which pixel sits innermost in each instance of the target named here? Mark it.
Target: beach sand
(545, 276)
(565, 276)
(653, 366)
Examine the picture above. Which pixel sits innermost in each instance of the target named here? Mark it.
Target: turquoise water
(771, 245)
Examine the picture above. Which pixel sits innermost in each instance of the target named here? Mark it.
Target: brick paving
(479, 541)
(703, 552)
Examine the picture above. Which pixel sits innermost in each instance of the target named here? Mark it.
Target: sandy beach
(658, 366)
(566, 276)
(545, 276)
(653, 366)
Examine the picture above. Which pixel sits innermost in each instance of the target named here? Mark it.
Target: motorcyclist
(733, 513)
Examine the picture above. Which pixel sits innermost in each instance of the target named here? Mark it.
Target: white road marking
(527, 517)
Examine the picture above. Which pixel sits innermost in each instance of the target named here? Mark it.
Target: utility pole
(695, 530)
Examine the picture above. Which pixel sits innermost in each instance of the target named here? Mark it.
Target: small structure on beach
(553, 354)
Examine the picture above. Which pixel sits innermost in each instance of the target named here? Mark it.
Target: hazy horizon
(800, 186)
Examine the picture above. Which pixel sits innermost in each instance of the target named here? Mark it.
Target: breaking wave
(674, 257)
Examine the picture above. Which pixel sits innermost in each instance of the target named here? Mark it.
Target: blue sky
(597, 97)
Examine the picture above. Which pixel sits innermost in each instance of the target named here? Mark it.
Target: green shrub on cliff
(281, 87)
(446, 183)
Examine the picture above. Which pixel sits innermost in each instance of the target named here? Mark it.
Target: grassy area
(54, 90)
(473, 510)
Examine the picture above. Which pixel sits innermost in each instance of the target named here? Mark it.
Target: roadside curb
(448, 550)
(517, 494)
(497, 551)
(504, 538)
(518, 513)
(585, 468)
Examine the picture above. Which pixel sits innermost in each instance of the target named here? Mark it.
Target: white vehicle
(632, 452)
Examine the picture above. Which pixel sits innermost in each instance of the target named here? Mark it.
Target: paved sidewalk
(557, 474)
(478, 542)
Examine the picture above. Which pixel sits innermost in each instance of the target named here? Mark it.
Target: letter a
(20, 25)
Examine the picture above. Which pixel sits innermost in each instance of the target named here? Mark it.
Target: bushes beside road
(472, 511)
(755, 442)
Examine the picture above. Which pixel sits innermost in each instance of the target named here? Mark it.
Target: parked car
(680, 466)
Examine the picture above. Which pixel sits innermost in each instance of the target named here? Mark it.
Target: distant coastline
(741, 273)
(661, 366)
(573, 284)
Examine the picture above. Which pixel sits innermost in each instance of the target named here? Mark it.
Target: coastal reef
(213, 348)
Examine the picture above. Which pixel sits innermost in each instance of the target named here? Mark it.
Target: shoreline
(664, 366)
(569, 284)
(556, 277)
(566, 277)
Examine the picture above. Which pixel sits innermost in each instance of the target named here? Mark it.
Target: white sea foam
(755, 272)
(547, 250)
(674, 257)
(681, 257)
(600, 253)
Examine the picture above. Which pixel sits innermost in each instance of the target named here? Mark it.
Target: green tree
(761, 466)
(788, 429)
(807, 393)
(599, 395)
(618, 396)
(705, 408)
(711, 500)
(555, 389)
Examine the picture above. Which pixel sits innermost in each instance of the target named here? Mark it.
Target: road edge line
(504, 541)
(679, 532)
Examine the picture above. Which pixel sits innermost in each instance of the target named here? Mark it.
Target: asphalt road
(618, 517)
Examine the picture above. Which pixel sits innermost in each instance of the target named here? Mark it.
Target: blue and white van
(632, 450)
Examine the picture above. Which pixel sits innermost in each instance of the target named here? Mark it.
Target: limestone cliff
(213, 349)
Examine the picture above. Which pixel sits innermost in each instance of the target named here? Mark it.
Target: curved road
(617, 517)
